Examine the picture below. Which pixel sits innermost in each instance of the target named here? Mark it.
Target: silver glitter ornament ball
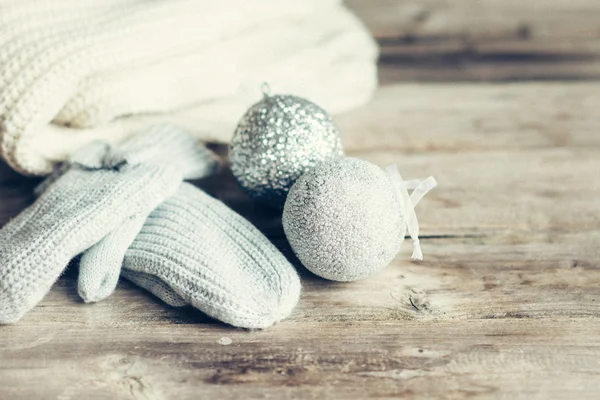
(344, 220)
(277, 140)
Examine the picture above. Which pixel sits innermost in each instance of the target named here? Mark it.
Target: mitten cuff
(169, 145)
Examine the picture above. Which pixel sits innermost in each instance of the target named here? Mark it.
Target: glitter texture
(344, 220)
(277, 140)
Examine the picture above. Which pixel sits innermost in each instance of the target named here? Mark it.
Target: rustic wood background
(506, 303)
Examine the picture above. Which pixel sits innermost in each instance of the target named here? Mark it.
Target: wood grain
(475, 118)
(439, 40)
(480, 318)
(159, 359)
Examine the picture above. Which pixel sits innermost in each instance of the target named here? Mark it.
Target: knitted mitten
(194, 250)
(102, 188)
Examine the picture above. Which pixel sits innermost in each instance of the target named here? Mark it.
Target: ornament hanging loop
(265, 89)
(419, 190)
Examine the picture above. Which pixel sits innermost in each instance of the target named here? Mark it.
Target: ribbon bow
(419, 189)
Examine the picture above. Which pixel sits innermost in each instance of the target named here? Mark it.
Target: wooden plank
(130, 347)
(459, 69)
(481, 19)
(529, 191)
(466, 118)
(435, 40)
(484, 194)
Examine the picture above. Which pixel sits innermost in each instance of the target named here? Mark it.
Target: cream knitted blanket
(75, 70)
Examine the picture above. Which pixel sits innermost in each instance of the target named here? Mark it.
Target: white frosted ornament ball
(344, 219)
(276, 141)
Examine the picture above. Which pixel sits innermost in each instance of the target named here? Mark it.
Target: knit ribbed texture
(94, 196)
(72, 71)
(156, 286)
(204, 254)
(100, 266)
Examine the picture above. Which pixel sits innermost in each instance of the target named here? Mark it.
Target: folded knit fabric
(194, 250)
(102, 188)
(72, 71)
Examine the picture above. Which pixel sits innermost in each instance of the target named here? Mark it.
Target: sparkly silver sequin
(344, 219)
(279, 139)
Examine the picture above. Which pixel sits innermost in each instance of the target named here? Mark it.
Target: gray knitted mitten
(194, 250)
(102, 188)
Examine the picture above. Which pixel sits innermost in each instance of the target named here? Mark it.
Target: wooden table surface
(506, 116)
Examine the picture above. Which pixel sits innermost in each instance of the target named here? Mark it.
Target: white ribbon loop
(420, 188)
